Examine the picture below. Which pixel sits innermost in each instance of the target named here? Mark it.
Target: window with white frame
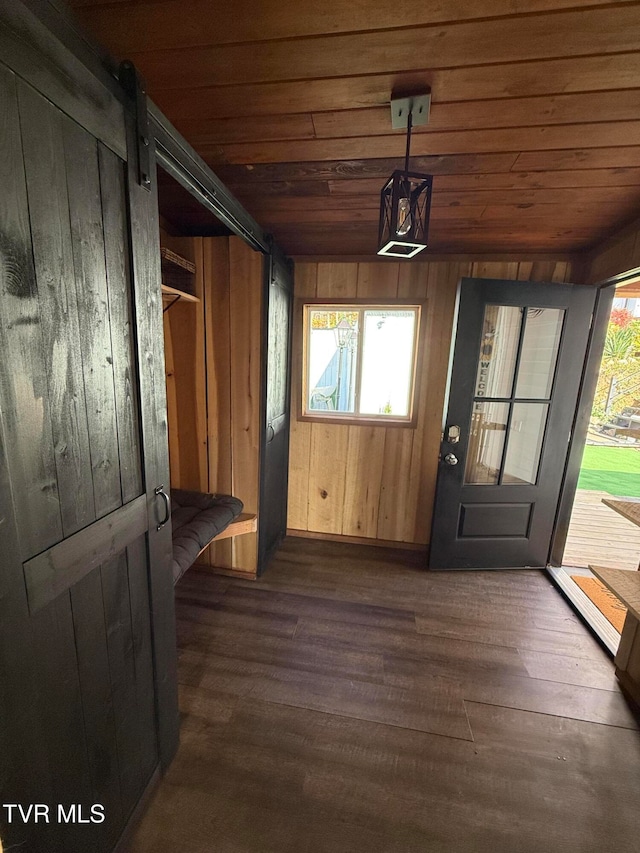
(360, 361)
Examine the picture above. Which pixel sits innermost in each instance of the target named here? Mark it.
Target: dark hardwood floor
(351, 702)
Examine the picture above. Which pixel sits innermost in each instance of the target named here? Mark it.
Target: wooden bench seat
(199, 519)
(246, 522)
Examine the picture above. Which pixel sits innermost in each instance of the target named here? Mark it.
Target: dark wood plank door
(274, 461)
(87, 705)
(518, 359)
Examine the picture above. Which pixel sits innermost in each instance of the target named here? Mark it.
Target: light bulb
(404, 217)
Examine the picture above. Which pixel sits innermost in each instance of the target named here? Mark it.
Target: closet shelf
(172, 294)
(178, 278)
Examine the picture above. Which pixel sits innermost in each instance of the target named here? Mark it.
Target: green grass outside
(615, 470)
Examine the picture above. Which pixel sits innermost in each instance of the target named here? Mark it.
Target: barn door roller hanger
(135, 87)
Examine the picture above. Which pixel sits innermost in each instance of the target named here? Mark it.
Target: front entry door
(517, 364)
(88, 704)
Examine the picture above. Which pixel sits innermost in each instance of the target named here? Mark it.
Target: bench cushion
(196, 519)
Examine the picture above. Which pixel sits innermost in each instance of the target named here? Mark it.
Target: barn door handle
(160, 493)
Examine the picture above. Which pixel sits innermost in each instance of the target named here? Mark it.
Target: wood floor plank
(205, 707)
(340, 784)
(519, 692)
(529, 611)
(316, 717)
(419, 646)
(541, 735)
(536, 639)
(212, 613)
(280, 651)
(438, 710)
(354, 613)
(586, 672)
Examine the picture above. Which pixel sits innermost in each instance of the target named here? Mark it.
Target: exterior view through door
(517, 364)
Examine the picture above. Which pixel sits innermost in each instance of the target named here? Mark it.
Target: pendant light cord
(409, 127)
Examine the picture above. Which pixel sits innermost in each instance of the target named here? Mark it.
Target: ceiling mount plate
(417, 105)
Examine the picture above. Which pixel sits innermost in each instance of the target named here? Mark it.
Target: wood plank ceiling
(534, 138)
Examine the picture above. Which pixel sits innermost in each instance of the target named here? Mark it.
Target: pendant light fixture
(405, 200)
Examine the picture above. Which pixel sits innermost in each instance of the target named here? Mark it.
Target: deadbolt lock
(451, 459)
(453, 434)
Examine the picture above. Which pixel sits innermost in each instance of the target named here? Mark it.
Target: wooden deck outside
(598, 534)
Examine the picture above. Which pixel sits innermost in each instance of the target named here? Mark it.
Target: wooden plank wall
(186, 375)
(378, 483)
(212, 355)
(233, 277)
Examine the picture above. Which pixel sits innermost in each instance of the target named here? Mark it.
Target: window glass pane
(333, 339)
(525, 443)
(539, 352)
(498, 351)
(387, 362)
(486, 443)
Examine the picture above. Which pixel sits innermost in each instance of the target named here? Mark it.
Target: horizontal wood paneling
(157, 25)
(522, 79)
(481, 115)
(526, 96)
(477, 115)
(465, 214)
(358, 240)
(548, 138)
(379, 482)
(523, 199)
(511, 39)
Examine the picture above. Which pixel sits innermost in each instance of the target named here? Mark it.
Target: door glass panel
(539, 352)
(498, 352)
(486, 443)
(526, 433)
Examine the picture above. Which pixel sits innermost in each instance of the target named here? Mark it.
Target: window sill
(349, 420)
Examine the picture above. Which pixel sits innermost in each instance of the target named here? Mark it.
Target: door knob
(451, 459)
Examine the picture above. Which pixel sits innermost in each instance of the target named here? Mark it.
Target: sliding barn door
(278, 306)
(87, 647)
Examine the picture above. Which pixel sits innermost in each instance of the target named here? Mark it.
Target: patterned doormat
(604, 600)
